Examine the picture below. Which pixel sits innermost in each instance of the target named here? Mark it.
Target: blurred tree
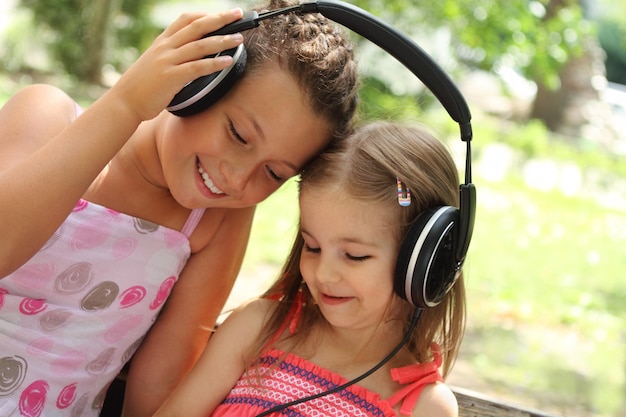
(561, 105)
(611, 17)
(547, 41)
(87, 33)
(612, 36)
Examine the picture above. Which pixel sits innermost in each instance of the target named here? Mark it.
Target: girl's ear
(427, 266)
(433, 251)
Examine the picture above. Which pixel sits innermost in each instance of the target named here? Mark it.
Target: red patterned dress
(296, 378)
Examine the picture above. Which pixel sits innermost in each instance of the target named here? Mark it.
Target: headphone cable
(405, 339)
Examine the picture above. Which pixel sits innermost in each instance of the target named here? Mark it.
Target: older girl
(125, 218)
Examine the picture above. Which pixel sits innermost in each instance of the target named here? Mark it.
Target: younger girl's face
(348, 258)
(245, 146)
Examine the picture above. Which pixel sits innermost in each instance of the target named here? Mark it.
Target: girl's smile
(208, 182)
(332, 300)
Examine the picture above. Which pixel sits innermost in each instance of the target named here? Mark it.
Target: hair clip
(404, 197)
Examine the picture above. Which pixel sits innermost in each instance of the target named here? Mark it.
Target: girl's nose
(238, 175)
(326, 271)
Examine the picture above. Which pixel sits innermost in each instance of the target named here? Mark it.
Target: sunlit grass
(545, 291)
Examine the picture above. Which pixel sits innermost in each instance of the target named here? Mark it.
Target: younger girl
(333, 314)
(107, 213)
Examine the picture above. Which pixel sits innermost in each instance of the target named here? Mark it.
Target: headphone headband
(405, 50)
(396, 43)
(438, 249)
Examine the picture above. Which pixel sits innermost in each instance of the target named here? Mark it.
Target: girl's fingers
(194, 26)
(183, 20)
(212, 45)
(177, 57)
(201, 67)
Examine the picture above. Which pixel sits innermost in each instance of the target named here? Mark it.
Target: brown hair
(317, 54)
(365, 166)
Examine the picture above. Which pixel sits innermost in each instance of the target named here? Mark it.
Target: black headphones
(433, 251)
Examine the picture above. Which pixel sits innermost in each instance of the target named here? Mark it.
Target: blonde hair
(365, 167)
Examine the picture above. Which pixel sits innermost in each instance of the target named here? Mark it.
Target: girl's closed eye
(234, 134)
(273, 175)
(357, 258)
(311, 249)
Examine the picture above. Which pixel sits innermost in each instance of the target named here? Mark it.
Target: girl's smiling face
(244, 147)
(349, 256)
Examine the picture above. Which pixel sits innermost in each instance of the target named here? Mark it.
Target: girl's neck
(135, 170)
(356, 347)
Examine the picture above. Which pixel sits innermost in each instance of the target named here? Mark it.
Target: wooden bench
(473, 404)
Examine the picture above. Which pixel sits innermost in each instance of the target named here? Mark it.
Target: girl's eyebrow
(247, 119)
(345, 239)
(255, 126)
(358, 241)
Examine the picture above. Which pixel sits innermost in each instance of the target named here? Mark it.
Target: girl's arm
(48, 159)
(220, 366)
(181, 332)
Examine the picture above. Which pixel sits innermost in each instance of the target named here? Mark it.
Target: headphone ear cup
(427, 266)
(203, 92)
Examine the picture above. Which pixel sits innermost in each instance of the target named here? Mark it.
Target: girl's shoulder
(259, 307)
(32, 116)
(242, 327)
(252, 315)
(437, 400)
(48, 100)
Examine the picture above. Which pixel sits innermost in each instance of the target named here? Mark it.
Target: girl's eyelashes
(357, 258)
(348, 256)
(235, 134)
(311, 249)
(274, 175)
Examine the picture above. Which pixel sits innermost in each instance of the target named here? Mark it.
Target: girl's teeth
(207, 181)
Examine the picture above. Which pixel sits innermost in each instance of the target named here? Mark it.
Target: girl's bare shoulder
(437, 400)
(38, 99)
(253, 314)
(31, 117)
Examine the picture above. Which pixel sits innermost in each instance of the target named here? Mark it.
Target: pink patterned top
(283, 377)
(73, 315)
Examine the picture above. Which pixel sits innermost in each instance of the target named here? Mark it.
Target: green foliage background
(64, 29)
(533, 37)
(545, 289)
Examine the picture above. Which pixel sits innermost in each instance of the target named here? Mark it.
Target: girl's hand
(176, 57)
